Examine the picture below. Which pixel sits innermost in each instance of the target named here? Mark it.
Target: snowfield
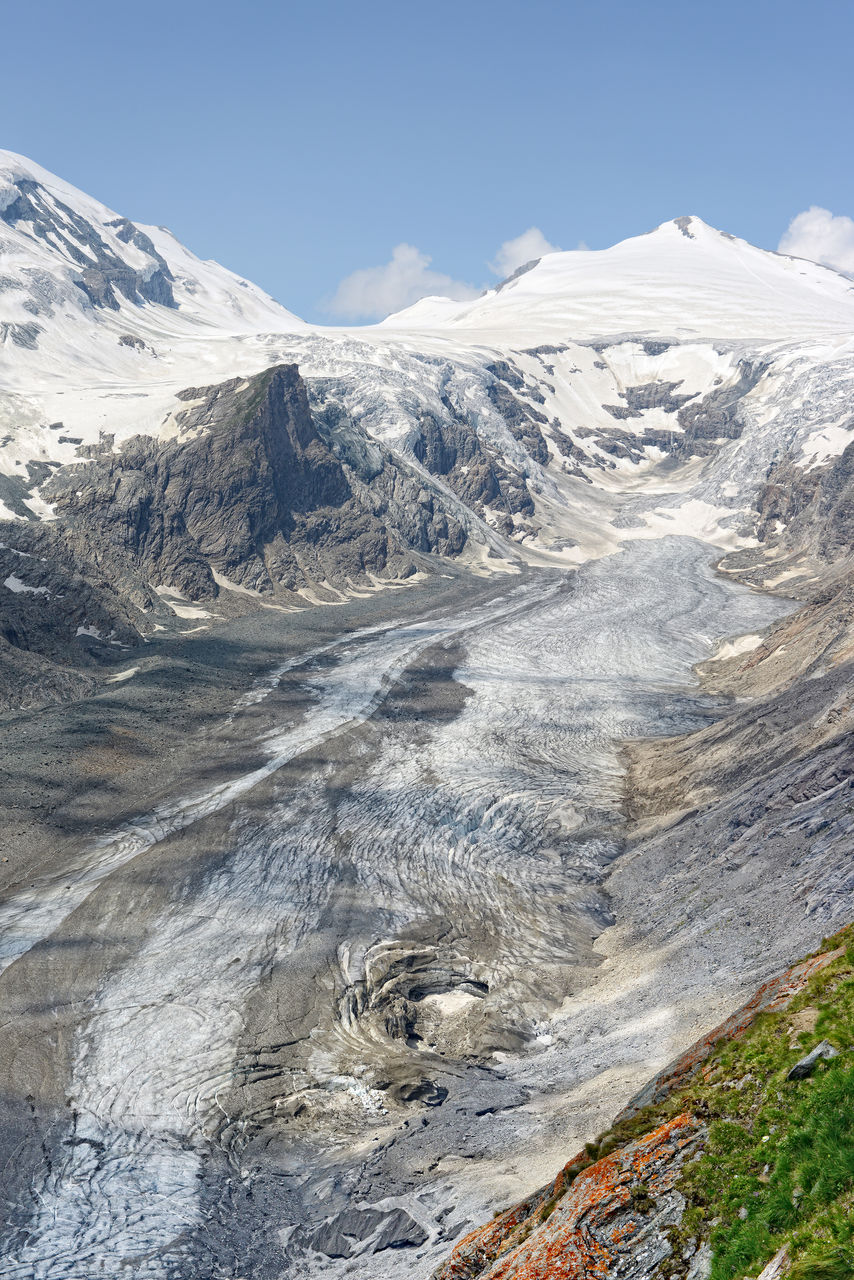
(682, 280)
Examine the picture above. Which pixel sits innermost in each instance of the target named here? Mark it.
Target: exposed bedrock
(717, 416)
(326, 932)
(773, 776)
(618, 1207)
(250, 488)
(610, 1219)
(810, 510)
(468, 432)
(451, 450)
(649, 395)
(62, 621)
(524, 420)
(247, 487)
(662, 419)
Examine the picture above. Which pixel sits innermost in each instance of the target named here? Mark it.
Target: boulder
(778, 1266)
(822, 1052)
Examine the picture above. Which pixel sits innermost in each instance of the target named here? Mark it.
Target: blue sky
(298, 143)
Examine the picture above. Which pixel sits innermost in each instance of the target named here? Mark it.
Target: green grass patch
(779, 1163)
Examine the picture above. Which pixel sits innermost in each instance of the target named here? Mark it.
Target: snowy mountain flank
(683, 280)
(416, 734)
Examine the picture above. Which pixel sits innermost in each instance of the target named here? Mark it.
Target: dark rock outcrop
(717, 416)
(648, 395)
(60, 618)
(418, 515)
(249, 487)
(815, 507)
(102, 272)
(20, 335)
(450, 450)
(523, 420)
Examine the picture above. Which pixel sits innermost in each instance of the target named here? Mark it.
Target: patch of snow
(826, 444)
(41, 509)
(121, 676)
(450, 1002)
(16, 585)
(734, 648)
(188, 611)
(785, 576)
(222, 581)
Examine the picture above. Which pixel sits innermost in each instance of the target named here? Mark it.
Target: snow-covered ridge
(682, 280)
(60, 237)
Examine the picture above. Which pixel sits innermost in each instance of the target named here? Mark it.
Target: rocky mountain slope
(765, 791)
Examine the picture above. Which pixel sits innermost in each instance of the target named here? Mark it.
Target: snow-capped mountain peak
(53, 227)
(79, 281)
(683, 279)
(92, 301)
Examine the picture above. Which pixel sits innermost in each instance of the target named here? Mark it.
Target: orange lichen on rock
(596, 1223)
(588, 1223)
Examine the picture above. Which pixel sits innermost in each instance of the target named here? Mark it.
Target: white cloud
(517, 253)
(821, 236)
(374, 292)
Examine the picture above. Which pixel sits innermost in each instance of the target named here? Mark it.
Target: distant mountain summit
(684, 279)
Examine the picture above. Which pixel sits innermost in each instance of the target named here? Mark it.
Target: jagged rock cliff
(247, 488)
(244, 488)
